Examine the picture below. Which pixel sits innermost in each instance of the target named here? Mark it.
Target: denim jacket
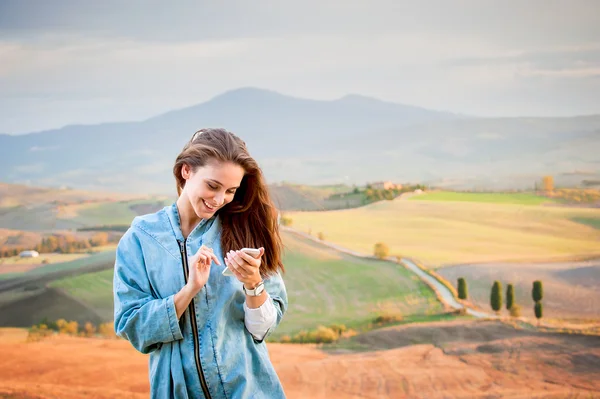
(209, 351)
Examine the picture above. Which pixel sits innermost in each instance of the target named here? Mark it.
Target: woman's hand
(199, 266)
(245, 267)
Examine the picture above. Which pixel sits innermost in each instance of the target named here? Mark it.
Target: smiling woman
(205, 331)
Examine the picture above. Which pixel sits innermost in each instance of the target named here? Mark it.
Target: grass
(95, 289)
(52, 258)
(107, 213)
(588, 221)
(350, 344)
(101, 213)
(326, 287)
(89, 261)
(494, 198)
(443, 232)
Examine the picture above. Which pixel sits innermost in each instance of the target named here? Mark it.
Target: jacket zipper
(193, 320)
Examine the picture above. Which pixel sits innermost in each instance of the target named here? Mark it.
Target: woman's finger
(237, 271)
(249, 259)
(241, 265)
(247, 269)
(211, 255)
(201, 259)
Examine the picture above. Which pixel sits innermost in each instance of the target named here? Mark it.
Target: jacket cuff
(173, 321)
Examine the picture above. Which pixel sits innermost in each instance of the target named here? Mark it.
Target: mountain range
(351, 140)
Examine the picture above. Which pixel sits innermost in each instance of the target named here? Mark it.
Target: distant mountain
(350, 140)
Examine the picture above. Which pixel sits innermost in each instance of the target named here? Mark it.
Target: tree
(537, 292)
(321, 236)
(538, 311)
(510, 297)
(496, 297)
(99, 239)
(548, 183)
(462, 288)
(286, 221)
(381, 250)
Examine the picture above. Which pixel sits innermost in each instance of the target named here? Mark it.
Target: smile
(210, 208)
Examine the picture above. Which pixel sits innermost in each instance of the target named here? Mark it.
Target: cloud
(48, 148)
(68, 61)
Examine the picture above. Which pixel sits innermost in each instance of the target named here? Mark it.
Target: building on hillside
(385, 185)
(29, 254)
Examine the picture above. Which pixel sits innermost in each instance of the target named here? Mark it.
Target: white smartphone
(250, 251)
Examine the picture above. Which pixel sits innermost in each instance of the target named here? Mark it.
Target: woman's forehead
(224, 173)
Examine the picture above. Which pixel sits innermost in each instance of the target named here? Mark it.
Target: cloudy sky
(65, 62)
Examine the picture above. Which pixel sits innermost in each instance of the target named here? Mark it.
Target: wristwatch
(256, 291)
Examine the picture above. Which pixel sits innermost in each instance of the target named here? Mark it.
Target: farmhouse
(29, 254)
(385, 185)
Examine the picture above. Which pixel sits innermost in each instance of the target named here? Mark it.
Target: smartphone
(255, 253)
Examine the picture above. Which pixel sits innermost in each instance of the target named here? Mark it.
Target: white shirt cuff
(260, 320)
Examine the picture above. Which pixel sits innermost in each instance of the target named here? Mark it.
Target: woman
(205, 331)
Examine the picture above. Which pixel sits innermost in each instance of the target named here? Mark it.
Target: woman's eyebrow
(219, 183)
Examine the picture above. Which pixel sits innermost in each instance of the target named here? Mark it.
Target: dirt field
(442, 360)
(571, 289)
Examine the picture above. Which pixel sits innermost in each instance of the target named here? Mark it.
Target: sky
(74, 62)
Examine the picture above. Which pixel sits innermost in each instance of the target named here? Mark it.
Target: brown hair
(250, 219)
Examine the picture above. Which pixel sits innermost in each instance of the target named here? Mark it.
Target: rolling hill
(318, 280)
(353, 139)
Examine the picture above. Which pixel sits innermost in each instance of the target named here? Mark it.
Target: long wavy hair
(250, 219)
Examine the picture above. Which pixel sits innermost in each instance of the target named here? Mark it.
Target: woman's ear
(185, 171)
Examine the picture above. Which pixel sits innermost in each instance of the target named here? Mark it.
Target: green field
(324, 287)
(588, 221)
(444, 232)
(94, 289)
(495, 198)
(50, 257)
(327, 287)
(109, 213)
(95, 260)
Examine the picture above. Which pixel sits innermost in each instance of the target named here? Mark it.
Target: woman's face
(211, 187)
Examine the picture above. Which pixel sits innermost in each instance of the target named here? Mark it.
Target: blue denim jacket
(209, 349)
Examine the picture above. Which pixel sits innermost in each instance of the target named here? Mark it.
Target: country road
(445, 294)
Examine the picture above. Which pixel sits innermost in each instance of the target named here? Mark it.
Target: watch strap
(256, 291)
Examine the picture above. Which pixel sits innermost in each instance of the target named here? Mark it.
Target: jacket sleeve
(140, 317)
(275, 286)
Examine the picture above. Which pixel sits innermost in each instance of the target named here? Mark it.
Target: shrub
(285, 339)
(89, 330)
(324, 335)
(381, 250)
(515, 310)
(39, 332)
(338, 328)
(286, 221)
(387, 318)
(107, 330)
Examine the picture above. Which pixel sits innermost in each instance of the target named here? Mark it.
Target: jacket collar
(208, 229)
